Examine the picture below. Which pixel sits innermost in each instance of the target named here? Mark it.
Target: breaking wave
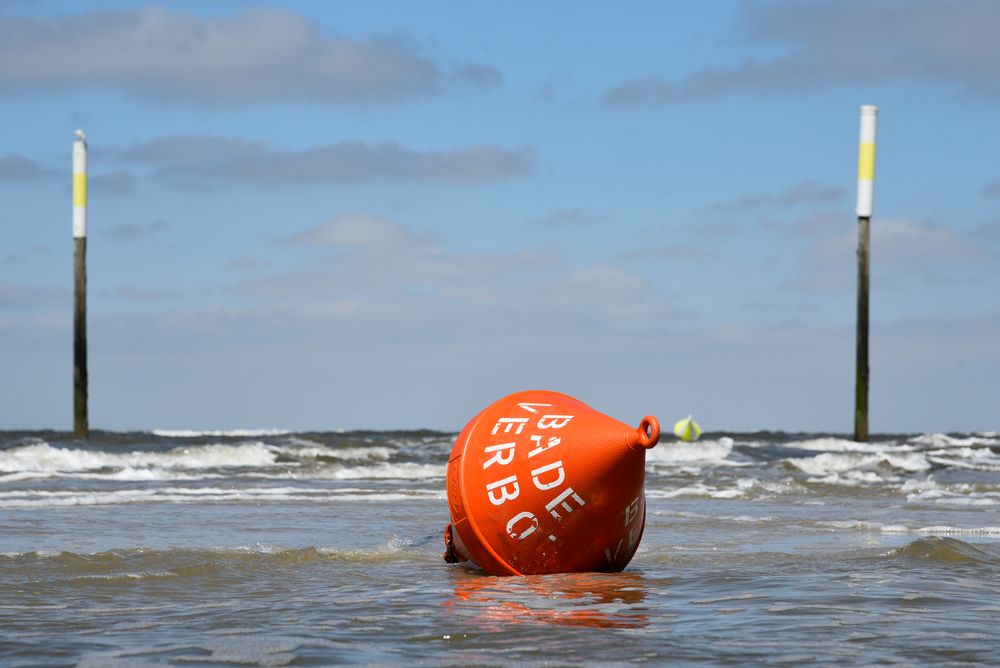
(253, 459)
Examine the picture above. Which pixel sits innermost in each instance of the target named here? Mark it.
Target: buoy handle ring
(649, 431)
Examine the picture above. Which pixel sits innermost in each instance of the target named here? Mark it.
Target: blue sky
(388, 214)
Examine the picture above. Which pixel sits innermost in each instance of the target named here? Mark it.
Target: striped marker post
(81, 426)
(866, 182)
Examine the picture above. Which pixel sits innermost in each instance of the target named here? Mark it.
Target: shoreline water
(283, 548)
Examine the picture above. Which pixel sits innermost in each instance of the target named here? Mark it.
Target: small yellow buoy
(687, 429)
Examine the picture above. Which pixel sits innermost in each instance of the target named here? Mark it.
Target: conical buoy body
(687, 429)
(539, 482)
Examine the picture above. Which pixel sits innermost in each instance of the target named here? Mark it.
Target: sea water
(275, 548)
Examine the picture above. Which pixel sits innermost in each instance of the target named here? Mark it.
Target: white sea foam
(742, 488)
(844, 445)
(852, 478)
(197, 462)
(846, 524)
(960, 494)
(943, 530)
(698, 489)
(945, 441)
(726, 599)
(829, 463)
(126, 576)
(896, 528)
(22, 475)
(401, 471)
(918, 484)
(955, 496)
(44, 498)
(980, 459)
(236, 433)
(697, 452)
(315, 450)
(42, 457)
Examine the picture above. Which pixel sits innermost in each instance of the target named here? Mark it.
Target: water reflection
(605, 600)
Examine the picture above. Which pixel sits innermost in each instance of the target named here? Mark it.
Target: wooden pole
(81, 419)
(866, 182)
(861, 341)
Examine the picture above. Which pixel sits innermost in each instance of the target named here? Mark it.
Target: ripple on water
(944, 550)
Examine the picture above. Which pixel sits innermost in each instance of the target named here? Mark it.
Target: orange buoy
(539, 482)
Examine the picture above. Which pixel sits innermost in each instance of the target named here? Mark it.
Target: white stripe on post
(866, 160)
(80, 186)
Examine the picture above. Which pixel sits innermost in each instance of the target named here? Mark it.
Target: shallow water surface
(274, 548)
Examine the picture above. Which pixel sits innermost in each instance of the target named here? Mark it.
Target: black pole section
(81, 421)
(861, 360)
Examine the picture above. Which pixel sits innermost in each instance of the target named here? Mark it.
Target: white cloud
(804, 193)
(356, 230)
(31, 297)
(674, 253)
(138, 294)
(19, 168)
(112, 183)
(836, 42)
(262, 54)
(134, 231)
(911, 243)
(902, 251)
(29, 255)
(480, 75)
(569, 218)
(392, 277)
(200, 160)
(378, 336)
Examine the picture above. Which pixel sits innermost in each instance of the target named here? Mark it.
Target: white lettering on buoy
(504, 496)
(537, 440)
(632, 510)
(607, 552)
(633, 535)
(548, 477)
(499, 457)
(524, 515)
(560, 475)
(554, 421)
(509, 423)
(561, 500)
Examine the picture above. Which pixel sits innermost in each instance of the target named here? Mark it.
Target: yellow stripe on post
(866, 161)
(79, 189)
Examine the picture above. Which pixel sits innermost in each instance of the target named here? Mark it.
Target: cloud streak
(847, 41)
(372, 271)
(356, 230)
(136, 231)
(19, 168)
(569, 218)
(188, 159)
(902, 252)
(256, 56)
(804, 193)
(113, 183)
(31, 297)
